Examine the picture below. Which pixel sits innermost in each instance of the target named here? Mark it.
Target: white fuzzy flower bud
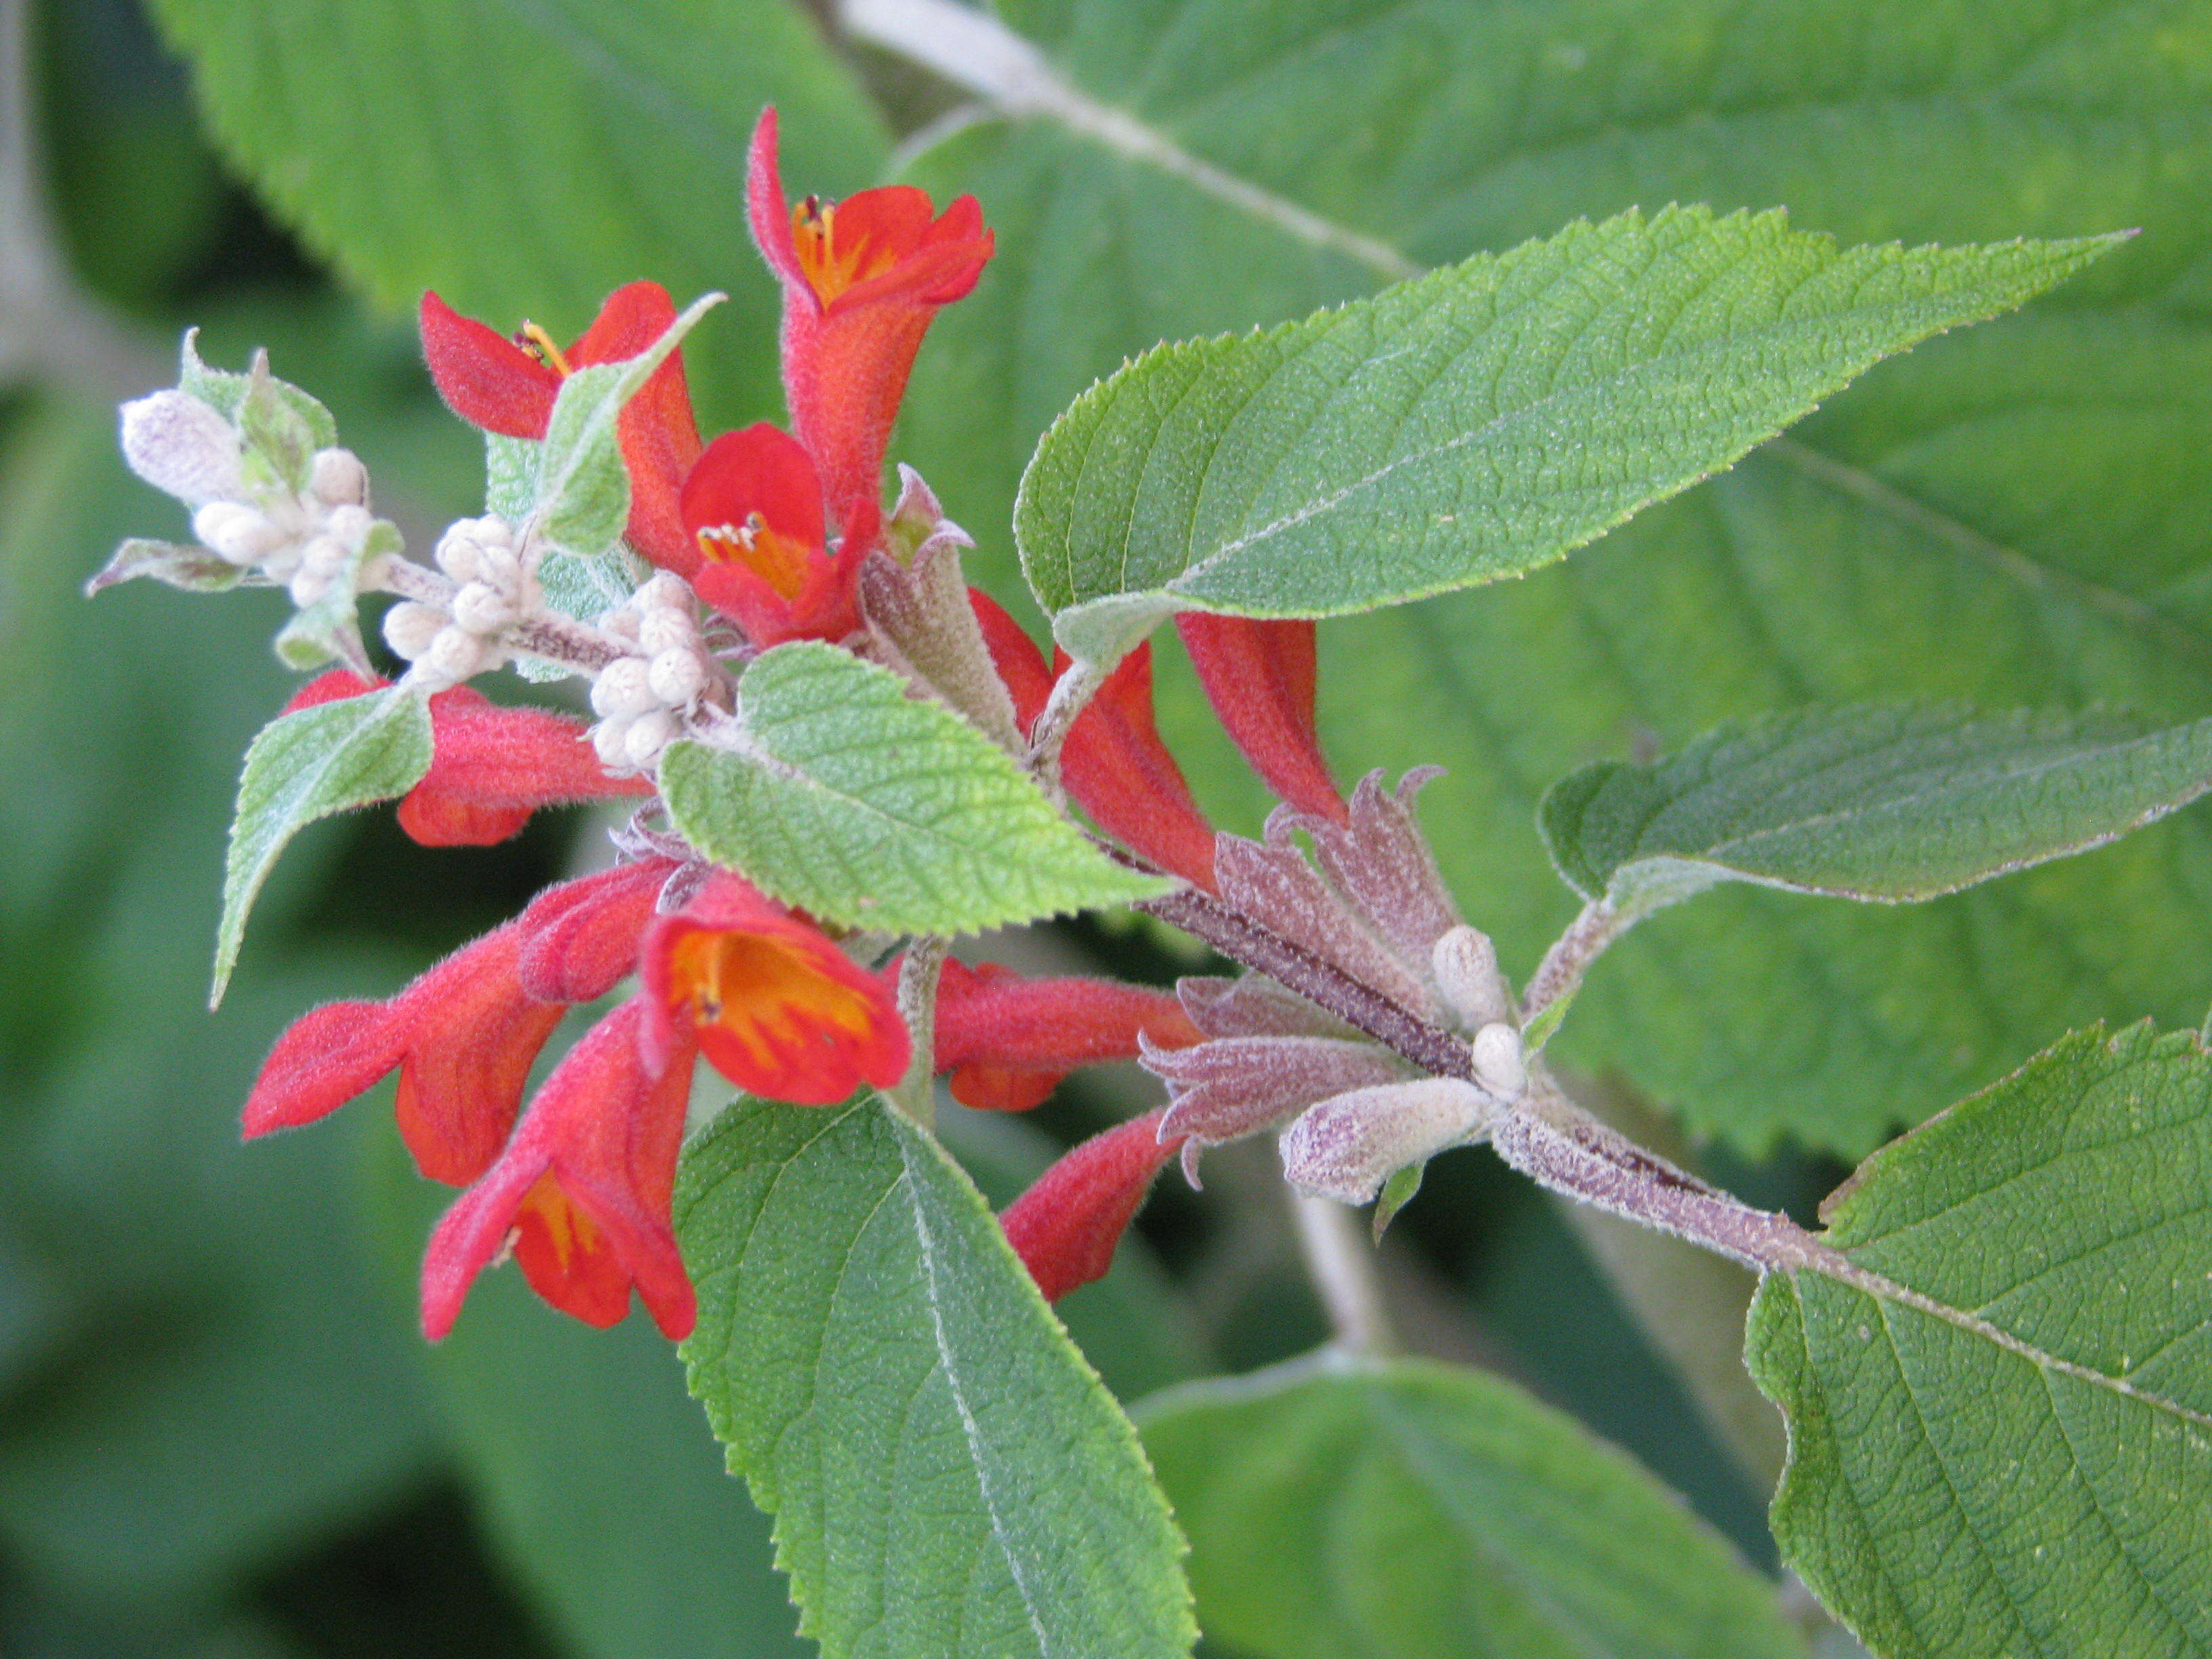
(665, 591)
(1465, 964)
(610, 741)
(1499, 1065)
(307, 586)
(350, 525)
(623, 690)
(481, 609)
(459, 550)
(454, 654)
(180, 446)
(409, 628)
(676, 677)
(338, 478)
(623, 624)
(323, 557)
(648, 735)
(660, 630)
(239, 533)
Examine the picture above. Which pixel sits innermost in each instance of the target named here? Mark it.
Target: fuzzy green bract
(1476, 423)
(308, 764)
(949, 1477)
(847, 797)
(2004, 1446)
(1888, 803)
(1344, 1509)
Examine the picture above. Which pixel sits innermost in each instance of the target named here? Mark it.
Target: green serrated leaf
(306, 765)
(2014, 515)
(2001, 1413)
(845, 797)
(581, 497)
(948, 1477)
(1884, 802)
(1367, 1509)
(1474, 424)
(510, 476)
(192, 568)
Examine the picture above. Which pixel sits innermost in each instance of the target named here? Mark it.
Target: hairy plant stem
(1543, 1135)
(1071, 693)
(919, 971)
(1561, 971)
(1341, 1263)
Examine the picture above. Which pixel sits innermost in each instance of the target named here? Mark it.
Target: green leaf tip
(1474, 423)
(835, 791)
(329, 757)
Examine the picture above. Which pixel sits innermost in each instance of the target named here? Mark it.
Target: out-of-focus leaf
(525, 161)
(2015, 516)
(596, 1475)
(1351, 1509)
(2001, 1440)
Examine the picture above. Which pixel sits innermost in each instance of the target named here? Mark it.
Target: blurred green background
(220, 1434)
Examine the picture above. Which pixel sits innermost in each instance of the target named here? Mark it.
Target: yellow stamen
(778, 560)
(535, 339)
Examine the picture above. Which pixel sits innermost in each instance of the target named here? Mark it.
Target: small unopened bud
(338, 478)
(676, 677)
(481, 609)
(611, 742)
(239, 533)
(180, 446)
(1499, 1065)
(1346, 1147)
(307, 586)
(409, 628)
(1465, 964)
(323, 557)
(623, 690)
(454, 653)
(649, 734)
(623, 624)
(665, 591)
(350, 525)
(663, 630)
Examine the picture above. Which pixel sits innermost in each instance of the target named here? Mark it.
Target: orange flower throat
(777, 559)
(833, 266)
(763, 994)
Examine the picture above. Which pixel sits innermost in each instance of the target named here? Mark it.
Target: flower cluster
(760, 537)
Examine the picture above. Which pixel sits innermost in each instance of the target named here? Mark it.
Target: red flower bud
(582, 1193)
(579, 939)
(769, 999)
(862, 281)
(1008, 1040)
(1259, 676)
(492, 766)
(1113, 762)
(507, 387)
(1065, 1226)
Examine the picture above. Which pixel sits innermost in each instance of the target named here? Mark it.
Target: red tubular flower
(753, 509)
(491, 767)
(862, 280)
(508, 387)
(1113, 762)
(582, 1192)
(464, 1037)
(769, 999)
(579, 939)
(1008, 1040)
(1259, 676)
(1065, 1226)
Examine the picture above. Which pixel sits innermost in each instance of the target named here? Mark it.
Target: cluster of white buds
(494, 590)
(644, 701)
(303, 539)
